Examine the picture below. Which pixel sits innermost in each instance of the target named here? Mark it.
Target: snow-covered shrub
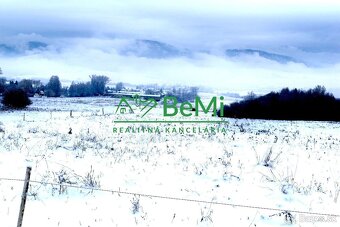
(16, 98)
(33, 130)
(268, 159)
(2, 128)
(91, 180)
(289, 218)
(62, 178)
(135, 205)
(206, 214)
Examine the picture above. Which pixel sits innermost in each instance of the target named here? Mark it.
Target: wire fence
(172, 198)
(103, 112)
(64, 114)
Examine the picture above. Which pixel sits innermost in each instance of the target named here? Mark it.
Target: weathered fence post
(103, 111)
(23, 196)
(24, 116)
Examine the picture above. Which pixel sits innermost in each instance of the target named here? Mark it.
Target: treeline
(29, 86)
(95, 87)
(314, 104)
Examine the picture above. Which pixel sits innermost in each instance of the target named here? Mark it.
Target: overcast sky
(84, 37)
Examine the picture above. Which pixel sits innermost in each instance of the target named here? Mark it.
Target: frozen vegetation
(286, 165)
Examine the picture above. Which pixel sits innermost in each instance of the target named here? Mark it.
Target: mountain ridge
(154, 49)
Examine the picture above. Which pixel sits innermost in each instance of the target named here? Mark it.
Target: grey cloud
(189, 41)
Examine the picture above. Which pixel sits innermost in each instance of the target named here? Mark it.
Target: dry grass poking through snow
(285, 165)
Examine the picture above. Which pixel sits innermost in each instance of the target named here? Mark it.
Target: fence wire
(172, 198)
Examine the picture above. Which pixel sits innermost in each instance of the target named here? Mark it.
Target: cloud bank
(87, 37)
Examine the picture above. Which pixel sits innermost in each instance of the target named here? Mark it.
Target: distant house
(39, 94)
(109, 91)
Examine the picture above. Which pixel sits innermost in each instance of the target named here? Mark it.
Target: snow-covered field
(271, 164)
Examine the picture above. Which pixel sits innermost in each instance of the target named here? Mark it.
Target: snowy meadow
(85, 174)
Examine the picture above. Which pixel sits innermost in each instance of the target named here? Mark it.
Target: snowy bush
(135, 205)
(91, 180)
(16, 98)
(2, 128)
(62, 178)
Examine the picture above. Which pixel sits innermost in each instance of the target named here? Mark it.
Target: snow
(302, 172)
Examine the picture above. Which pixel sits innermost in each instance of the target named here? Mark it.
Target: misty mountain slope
(7, 49)
(32, 45)
(283, 59)
(21, 48)
(154, 49)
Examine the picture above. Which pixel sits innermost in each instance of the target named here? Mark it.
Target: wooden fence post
(23, 196)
